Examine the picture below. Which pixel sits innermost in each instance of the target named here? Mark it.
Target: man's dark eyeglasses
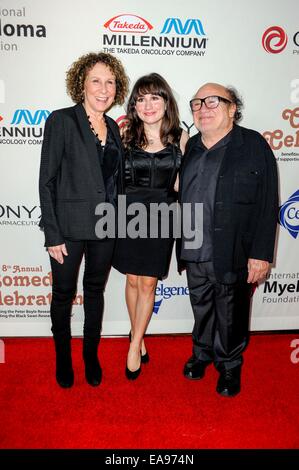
(211, 102)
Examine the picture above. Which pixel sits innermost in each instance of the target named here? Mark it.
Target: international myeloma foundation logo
(274, 40)
(128, 23)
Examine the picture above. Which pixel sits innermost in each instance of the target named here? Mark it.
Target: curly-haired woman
(80, 168)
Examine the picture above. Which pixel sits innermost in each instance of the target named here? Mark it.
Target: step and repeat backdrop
(253, 46)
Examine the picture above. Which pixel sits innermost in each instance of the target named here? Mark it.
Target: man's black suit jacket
(71, 182)
(246, 204)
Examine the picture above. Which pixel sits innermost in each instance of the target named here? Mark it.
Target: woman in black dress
(154, 143)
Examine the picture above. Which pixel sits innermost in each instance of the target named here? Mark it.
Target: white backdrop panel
(212, 41)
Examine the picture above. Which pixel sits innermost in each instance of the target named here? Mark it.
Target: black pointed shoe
(229, 382)
(144, 358)
(194, 368)
(132, 375)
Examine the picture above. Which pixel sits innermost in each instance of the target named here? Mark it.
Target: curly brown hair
(236, 98)
(76, 75)
(170, 130)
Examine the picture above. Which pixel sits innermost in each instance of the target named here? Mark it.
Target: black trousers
(98, 257)
(221, 314)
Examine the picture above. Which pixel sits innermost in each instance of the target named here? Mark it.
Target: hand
(57, 252)
(257, 270)
(176, 184)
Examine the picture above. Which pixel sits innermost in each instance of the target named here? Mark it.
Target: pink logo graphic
(122, 121)
(128, 23)
(274, 40)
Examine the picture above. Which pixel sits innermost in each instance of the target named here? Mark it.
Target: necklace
(152, 140)
(91, 127)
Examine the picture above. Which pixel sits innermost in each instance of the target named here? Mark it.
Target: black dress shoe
(229, 382)
(132, 375)
(194, 368)
(144, 357)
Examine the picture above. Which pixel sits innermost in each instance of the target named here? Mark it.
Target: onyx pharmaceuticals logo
(19, 215)
(14, 31)
(289, 215)
(25, 127)
(133, 34)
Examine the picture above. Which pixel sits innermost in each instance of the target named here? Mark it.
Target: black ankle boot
(64, 368)
(93, 371)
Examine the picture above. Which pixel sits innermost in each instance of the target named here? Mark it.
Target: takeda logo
(274, 40)
(128, 23)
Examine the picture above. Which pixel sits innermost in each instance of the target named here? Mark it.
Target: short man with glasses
(232, 171)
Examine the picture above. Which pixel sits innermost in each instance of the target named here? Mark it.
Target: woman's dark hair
(76, 75)
(236, 98)
(154, 84)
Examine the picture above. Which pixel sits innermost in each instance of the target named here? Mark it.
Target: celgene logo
(157, 305)
(167, 292)
(178, 27)
(128, 24)
(289, 215)
(30, 118)
(274, 40)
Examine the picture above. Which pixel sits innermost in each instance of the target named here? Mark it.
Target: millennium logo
(132, 34)
(183, 29)
(26, 127)
(31, 119)
(289, 215)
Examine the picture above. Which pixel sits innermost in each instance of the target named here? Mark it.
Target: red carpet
(161, 409)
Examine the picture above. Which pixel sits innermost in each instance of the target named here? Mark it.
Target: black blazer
(245, 215)
(71, 181)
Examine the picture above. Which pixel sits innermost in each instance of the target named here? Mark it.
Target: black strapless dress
(150, 178)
